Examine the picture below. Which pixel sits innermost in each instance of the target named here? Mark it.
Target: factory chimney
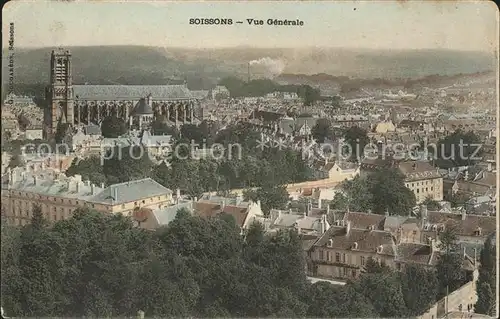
(248, 73)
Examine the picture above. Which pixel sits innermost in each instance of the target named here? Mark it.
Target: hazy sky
(447, 25)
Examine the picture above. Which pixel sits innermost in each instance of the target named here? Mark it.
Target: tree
(15, 161)
(458, 199)
(193, 133)
(389, 193)
(450, 273)
(383, 290)
(309, 94)
(322, 130)
(40, 290)
(160, 127)
(358, 194)
(419, 287)
(356, 139)
(431, 204)
(486, 281)
(340, 202)
(122, 164)
(63, 132)
(462, 148)
(448, 240)
(374, 267)
(271, 197)
(113, 127)
(486, 299)
(89, 168)
(330, 301)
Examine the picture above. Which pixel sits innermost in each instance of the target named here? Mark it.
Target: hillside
(204, 68)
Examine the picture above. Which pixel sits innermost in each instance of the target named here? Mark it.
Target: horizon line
(251, 47)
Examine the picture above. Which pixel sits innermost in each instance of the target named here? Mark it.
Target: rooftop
(131, 92)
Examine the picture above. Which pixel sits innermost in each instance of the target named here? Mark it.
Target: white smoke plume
(273, 66)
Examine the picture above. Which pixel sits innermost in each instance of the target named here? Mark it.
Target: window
(414, 232)
(426, 189)
(362, 260)
(432, 189)
(418, 190)
(135, 203)
(158, 197)
(321, 255)
(345, 271)
(337, 257)
(353, 273)
(144, 202)
(343, 258)
(328, 256)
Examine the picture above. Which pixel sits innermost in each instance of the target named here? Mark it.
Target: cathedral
(86, 104)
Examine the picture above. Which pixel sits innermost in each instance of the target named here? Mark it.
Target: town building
(84, 104)
(342, 251)
(59, 196)
(420, 177)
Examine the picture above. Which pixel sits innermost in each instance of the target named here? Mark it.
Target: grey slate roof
(200, 94)
(130, 191)
(165, 215)
(142, 107)
(92, 129)
(131, 92)
(46, 184)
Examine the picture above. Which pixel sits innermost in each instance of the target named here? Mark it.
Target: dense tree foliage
(100, 265)
(116, 165)
(161, 127)
(485, 288)
(261, 87)
(389, 192)
(355, 139)
(380, 192)
(113, 127)
(461, 148)
(432, 204)
(322, 130)
(421, 282)
(271, 197)
(450, 272)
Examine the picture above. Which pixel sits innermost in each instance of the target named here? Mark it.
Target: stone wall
(465, 295)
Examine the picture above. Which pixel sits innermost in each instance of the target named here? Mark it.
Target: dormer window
(379, 249)
(355, 245)
(478, 231)
(330, 243)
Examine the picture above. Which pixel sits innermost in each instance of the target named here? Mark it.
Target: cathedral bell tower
(59, 93)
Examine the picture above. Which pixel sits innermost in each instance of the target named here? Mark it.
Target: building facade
(59, 196)
(85, 104)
